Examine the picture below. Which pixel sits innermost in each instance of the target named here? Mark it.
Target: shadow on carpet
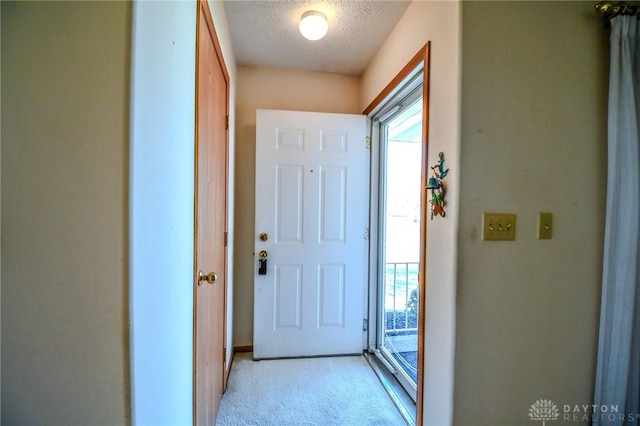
(309, 391)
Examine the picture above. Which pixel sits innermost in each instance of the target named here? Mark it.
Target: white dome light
(313, 25)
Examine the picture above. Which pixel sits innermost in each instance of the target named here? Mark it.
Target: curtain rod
(611, 9)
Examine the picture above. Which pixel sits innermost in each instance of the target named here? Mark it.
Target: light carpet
(309, 391)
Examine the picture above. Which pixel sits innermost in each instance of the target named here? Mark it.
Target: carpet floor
(332, 391)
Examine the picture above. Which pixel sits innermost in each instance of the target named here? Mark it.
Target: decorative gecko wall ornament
(438, 188)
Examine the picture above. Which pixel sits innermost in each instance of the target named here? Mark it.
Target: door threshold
(267, 358)
(401, 399)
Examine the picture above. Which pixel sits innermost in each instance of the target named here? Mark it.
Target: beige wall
(439, 23)
(533, 139)
(65, 75)
(271, 89)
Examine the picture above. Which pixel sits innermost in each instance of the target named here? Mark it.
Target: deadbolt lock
(263, 237)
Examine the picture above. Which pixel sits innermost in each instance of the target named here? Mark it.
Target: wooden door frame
(203, 9)
(422, 56)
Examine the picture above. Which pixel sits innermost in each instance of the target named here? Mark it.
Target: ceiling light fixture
(313, 25)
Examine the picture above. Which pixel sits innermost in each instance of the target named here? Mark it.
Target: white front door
(312, 209)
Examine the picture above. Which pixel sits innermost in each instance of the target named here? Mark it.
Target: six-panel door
(312, 186)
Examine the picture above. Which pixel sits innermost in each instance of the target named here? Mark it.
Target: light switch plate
(545, 226)
(498, 226)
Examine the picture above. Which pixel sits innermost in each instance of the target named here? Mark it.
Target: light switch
(498, 226)
(545, 226)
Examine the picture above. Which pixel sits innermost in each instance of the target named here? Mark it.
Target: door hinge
(366, 234)
(367, 142)
(365, 324)
(226, 122)
(224, 355)
(226, 239)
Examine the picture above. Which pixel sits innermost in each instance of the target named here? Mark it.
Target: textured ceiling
(265, 33)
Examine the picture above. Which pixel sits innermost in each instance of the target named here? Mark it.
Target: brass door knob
(211, 277)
